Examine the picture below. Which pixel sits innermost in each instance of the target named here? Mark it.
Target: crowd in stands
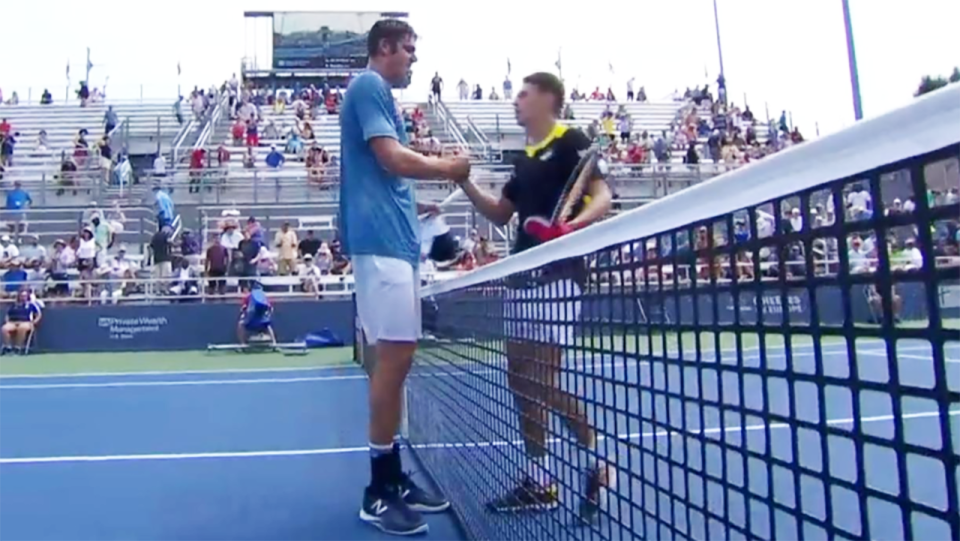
(704, 130)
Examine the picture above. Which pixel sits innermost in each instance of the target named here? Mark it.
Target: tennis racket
(546, 229)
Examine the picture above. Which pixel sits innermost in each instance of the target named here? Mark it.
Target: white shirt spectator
(765, 224)
(8, 250)
(87, 249)
(859, 200)
(914, 256)
(118, 266)
(159, 166)
(796, 221)
(309, 270)
(33, 252)
(909, 205)
(230, 239)
(858, 259)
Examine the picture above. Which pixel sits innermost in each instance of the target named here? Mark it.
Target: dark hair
(392, 30)
(549, 83)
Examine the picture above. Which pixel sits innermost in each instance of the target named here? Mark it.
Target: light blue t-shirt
(378, 210)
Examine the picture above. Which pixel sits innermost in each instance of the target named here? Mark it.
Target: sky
(777, 54)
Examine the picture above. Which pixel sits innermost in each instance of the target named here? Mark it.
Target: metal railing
(450, 126)
(185, 129)
(131, 288)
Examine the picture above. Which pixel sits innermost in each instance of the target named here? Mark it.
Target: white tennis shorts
(388, 298)
(544, 314)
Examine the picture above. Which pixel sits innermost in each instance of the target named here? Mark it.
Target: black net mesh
(786, 367)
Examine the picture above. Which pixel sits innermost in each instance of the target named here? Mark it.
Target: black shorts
(85, 264)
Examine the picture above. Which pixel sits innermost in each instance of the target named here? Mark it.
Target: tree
(929, 84)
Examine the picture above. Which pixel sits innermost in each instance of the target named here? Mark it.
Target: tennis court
(185, 446)
(270, 447)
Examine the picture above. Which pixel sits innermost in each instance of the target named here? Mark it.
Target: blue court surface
(225, 455)
(281, 454)
(701, 431)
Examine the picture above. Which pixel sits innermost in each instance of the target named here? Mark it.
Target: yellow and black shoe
(529, 496)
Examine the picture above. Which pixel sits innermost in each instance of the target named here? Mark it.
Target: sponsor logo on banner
(127, 328)
(770, 304)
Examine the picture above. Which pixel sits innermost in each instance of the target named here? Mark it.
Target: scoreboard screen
(323, 40)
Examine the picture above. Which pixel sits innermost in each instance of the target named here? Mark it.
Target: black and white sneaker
(420, 500)
(391, 514)
(529, 496)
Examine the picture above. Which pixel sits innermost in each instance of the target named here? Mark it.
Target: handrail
(185, 129)
(450, 124)
(213, 121)
(177, 228)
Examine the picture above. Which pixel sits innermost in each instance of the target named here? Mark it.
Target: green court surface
(168, 361)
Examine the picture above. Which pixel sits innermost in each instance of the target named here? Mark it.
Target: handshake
(455, 168)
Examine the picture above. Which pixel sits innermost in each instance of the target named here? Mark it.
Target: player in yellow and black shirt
(538, 331)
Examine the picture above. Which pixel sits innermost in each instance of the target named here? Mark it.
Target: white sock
(539, 470)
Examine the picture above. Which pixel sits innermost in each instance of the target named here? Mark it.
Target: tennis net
(771, 354)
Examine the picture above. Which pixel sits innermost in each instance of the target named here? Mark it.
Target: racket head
(577, 184)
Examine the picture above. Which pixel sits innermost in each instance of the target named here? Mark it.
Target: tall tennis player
(540, 313)
(380, 229)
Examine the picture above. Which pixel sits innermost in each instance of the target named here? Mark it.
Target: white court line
(364, 449)
(883, 353)
(67, 375)
(616, 365)
(176, 383)
(174, 373)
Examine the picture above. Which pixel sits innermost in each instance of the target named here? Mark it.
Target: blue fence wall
(162, 327)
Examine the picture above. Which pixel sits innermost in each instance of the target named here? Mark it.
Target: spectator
(106, 161)
(161, 256)
(5, 127)
(178, 110)
(7, 144)
(324, 259)
(795, 220)
(83, 94)
(86, 259)
(248, 252)
(164, 206)
(436, 86)
(286, 243)
(249, 159)
(21, 319)
(310, 276)
(238, 131)
(185, 280)
(231, 237)
(464, 89)
(913, 255)
(198, 158)
(859, 203)
(216, 265)
(8, 251)
(43, 144)
(310, 245)
(507, 88)
(858, 256)
(14, 277)
(477, 93)
(630, 94)
(63, 259)
(46, 98)
(110, 120)
(253, 137)
(190, 248)
(274, 158)
(159, 166)
(270, 132)
(18, 201)
(32, 252)
(116, 270)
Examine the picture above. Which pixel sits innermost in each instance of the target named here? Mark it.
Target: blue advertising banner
(188, 326)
